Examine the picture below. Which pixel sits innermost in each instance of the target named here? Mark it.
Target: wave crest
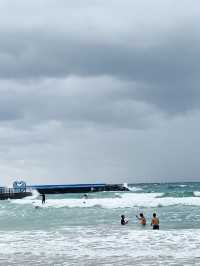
(127, 200)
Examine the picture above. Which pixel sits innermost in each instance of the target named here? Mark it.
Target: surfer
(123, 220)
(155, 222)
(142, 219)
(43, 198)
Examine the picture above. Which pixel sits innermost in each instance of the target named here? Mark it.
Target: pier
(78, 188)
(21, 190)
(12, 193)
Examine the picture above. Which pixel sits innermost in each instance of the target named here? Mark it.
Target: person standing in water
(85, 197)
(142, 219)
(123, 220)
(155, 222)
(43, 198)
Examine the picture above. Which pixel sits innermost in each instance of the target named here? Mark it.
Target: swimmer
(155, 222)
(142, 219)
(123, 220)
(85, 196)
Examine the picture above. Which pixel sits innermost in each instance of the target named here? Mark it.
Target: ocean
(70, 230)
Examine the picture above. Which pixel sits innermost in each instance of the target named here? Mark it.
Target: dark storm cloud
(168, 70)
(46, 54)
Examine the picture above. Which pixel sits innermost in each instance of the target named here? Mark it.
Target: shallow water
(100, 246)
(69, 230)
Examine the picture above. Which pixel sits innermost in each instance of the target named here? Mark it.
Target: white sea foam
(35, 194)
(196, 193)
(182, 185)
(127, 200)
(99, 246)
(27, 200)
(132, 188)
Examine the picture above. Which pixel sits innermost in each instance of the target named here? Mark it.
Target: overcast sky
(99, 91)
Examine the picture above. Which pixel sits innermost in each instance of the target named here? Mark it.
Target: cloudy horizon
(99, 91)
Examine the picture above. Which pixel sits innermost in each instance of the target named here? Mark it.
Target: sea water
(70, 230)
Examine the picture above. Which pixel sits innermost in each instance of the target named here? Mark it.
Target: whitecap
(126, 200)
(196, 193)
(132, 188)
(182, 185)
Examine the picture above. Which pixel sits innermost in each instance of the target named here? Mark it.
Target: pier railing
(5, 190)
(14, 193)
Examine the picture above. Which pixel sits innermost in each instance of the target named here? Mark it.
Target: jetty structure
(21, 190)
(78, 188)
(18, 191)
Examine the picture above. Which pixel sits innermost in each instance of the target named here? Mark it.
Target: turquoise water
(69, 230)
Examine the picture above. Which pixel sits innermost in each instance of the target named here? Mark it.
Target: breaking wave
(126, 200)
(132, 188)
(196, 193)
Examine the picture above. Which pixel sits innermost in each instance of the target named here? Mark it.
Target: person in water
(155, 222)
(142, 219)
(123, 220)
(43, 198)
(85, 196)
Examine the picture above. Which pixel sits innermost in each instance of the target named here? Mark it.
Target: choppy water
(69, 230)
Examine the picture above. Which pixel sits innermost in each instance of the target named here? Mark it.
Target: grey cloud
(45, 54)
(77, 79)
(74, 102)
(94, 154)
(158, 51)
(168, 69)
